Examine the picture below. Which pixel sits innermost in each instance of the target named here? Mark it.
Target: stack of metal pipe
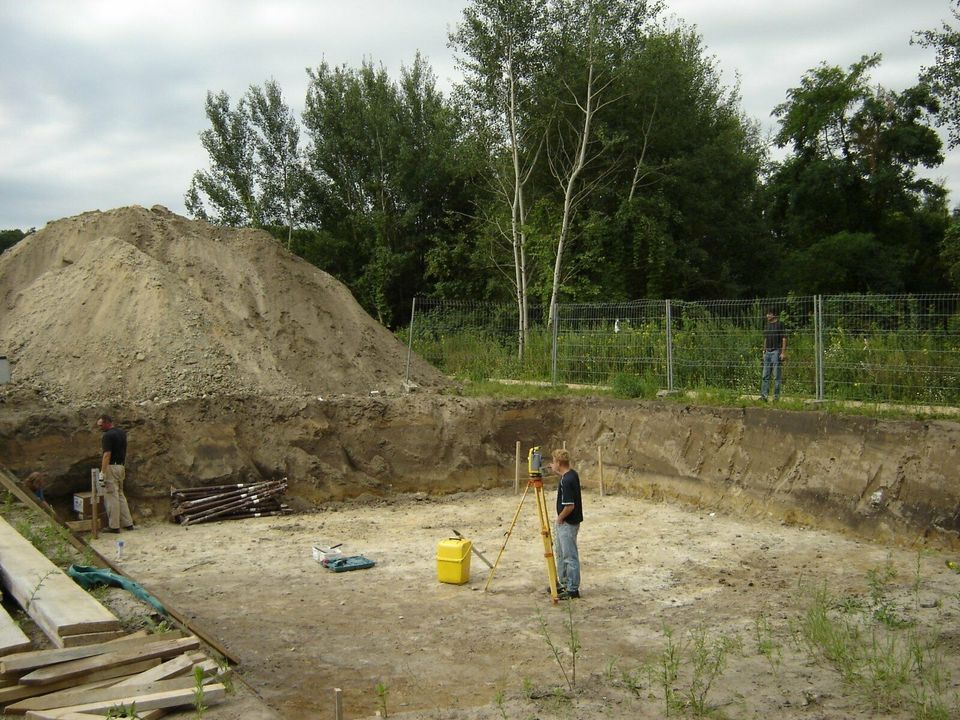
(189, 506)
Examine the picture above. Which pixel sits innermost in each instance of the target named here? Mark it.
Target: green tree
(500, 49)
(852, 178)
(944, 76)
(386, 178)
(229, 186)
(587, 48)
(950, 253)
(255, 176)
(276, 140)
(9, 238)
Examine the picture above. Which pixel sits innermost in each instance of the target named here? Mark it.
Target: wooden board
(56, 603)
(69, 698)
(212, 694)
(12, 638)
(9, 481)
(79, 668)
(71, 641)
(18, 692)
(32, 659)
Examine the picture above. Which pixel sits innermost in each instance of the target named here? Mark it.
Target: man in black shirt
(569, 517)
(774, 352)
(113, 445)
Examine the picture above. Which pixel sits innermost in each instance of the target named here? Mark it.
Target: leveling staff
(569, 517)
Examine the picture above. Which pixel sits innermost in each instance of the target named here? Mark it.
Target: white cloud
(101, 101)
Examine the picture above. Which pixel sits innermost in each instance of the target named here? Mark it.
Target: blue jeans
(771, 361)
(566, 555)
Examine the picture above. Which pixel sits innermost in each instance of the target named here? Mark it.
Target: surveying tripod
(535, 473)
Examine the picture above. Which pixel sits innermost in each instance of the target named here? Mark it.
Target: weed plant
(877, 651)
(572, 645)
(382, 691)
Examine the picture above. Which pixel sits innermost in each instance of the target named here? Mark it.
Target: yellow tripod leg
(506, 539)
(544, 514)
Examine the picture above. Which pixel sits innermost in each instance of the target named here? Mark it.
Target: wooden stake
(600, 464)
(337, 704)
(516, 471)
(94, 504)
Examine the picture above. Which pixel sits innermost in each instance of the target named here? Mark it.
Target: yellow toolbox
(453, 561)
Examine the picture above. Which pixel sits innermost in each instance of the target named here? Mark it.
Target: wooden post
(600, 465)
(95, 505)
(337, 704)
(516, 471)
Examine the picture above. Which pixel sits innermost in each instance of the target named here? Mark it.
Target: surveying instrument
(535, 474)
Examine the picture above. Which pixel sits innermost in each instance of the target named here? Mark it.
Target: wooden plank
(212, 694)
(71, 697)
(12, 638)
(90, 638)
(18, 692)
(9, 481)
(163, 671)
(79, 668)
(54, 601)
(41, 658)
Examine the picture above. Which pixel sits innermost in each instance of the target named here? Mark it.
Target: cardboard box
(83, 506)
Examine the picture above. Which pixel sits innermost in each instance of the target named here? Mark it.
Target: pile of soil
(136, 305)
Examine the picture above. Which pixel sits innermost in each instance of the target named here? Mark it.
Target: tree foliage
(9, 238)
(590, 153)
(944, 76)
(849, 200)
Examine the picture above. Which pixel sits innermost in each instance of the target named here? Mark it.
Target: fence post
(553, 354)
(413, 311)
(669, 319)
(821, 355)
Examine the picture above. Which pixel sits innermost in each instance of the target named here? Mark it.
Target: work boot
(111, 530)
(569, 594)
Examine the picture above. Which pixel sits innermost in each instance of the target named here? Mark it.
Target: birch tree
(588, 44)
(500, 46)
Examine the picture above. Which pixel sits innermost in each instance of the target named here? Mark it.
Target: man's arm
(567, 509)
(783, 344)
(105, 462)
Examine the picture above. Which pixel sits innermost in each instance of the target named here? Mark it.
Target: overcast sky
(101, 101)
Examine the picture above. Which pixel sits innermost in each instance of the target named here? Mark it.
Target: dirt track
(444, 651)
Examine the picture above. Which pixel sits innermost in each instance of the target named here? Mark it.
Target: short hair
(561, 455)
(106, 418)
(772, 311)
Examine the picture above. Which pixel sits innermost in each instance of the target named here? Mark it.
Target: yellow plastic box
(453, 561)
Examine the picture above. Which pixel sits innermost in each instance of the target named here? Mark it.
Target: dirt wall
(875, 476)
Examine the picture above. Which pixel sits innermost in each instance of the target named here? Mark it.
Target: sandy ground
(449, 651)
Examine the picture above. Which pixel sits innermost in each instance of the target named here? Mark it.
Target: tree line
(590, 152)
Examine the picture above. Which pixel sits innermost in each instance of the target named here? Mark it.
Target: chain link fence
(892, 348)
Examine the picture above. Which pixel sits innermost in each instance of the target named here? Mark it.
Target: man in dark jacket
(113, 445)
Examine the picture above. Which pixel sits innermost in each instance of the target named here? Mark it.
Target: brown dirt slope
(136, 304)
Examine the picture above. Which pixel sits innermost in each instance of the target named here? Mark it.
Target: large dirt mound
(136, 304)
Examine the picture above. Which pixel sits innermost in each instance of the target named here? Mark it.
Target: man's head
(771, 314)
(561, 461)
(104, 422)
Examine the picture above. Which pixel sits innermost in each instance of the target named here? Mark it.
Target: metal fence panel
(902, 348)
(845, 347)
(598, 342)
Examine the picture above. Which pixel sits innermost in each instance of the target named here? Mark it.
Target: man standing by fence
(774, 352)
